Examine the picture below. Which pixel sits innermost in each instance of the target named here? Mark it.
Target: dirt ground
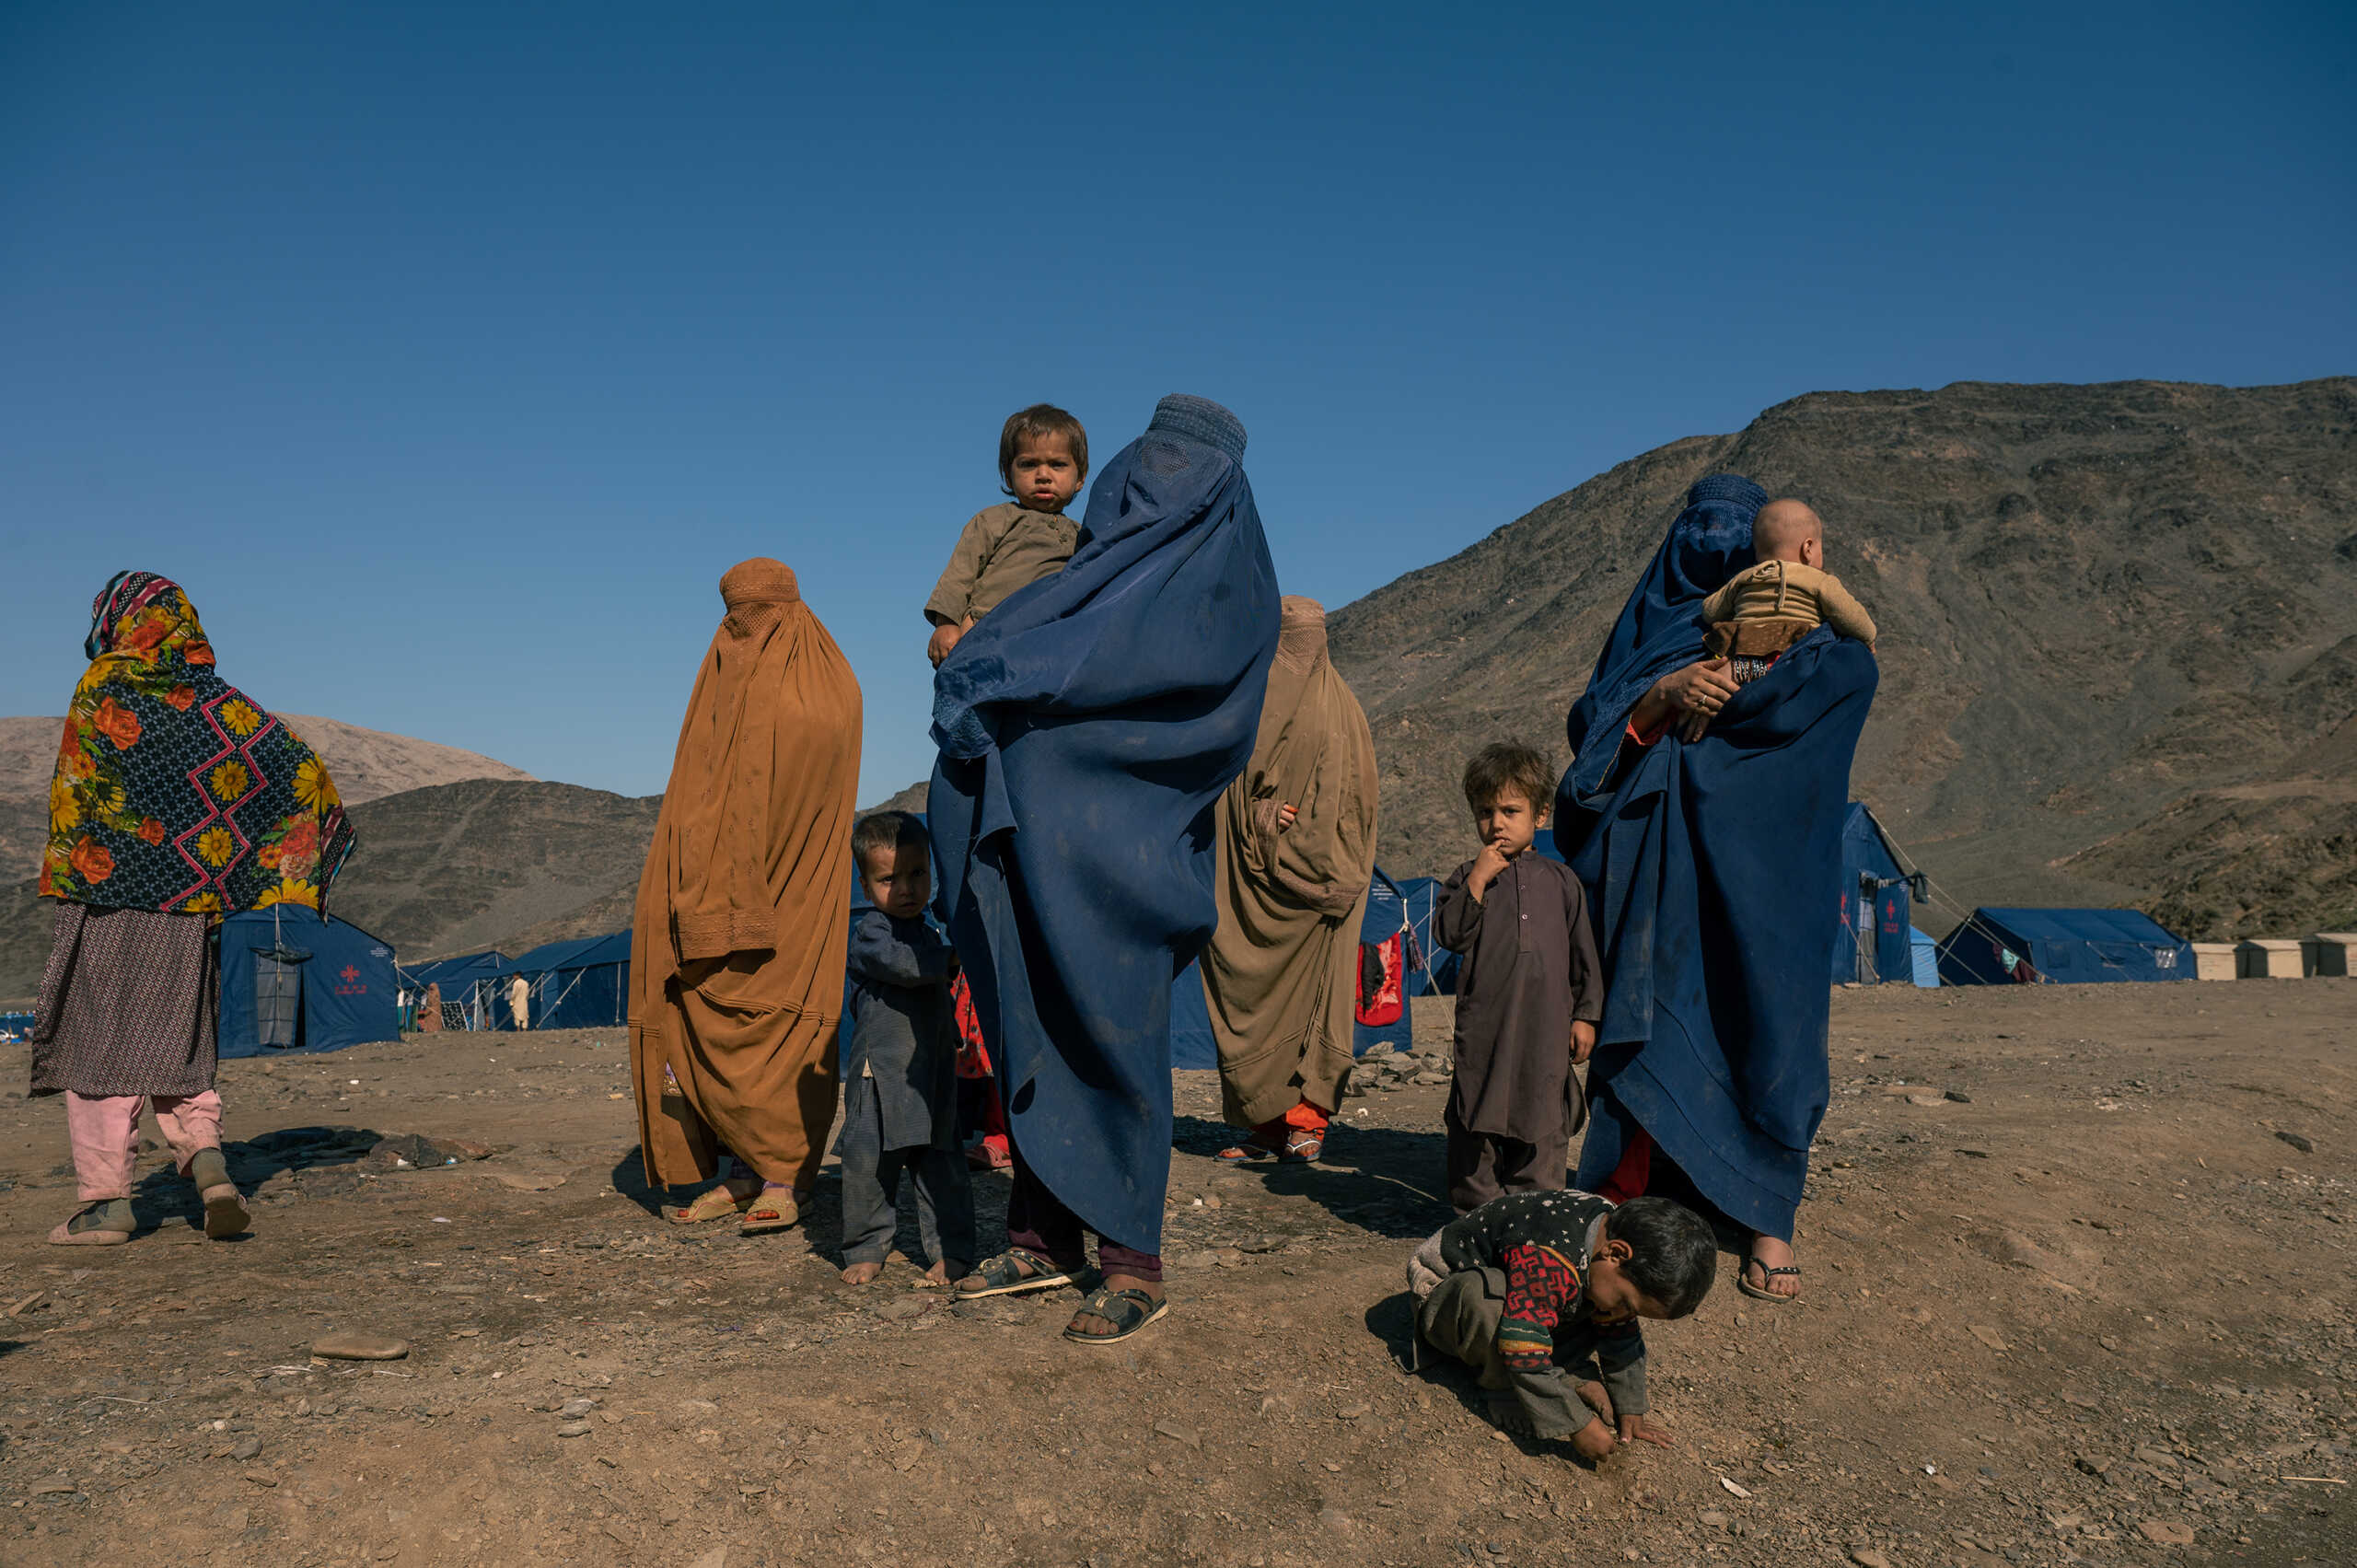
(2079, 1289)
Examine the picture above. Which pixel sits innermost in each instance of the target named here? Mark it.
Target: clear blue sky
(449, 352)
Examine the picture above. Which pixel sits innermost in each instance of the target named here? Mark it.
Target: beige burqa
(737, 946)
(1281, 971)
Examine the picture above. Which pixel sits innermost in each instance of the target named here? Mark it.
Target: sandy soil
(2070, 1297)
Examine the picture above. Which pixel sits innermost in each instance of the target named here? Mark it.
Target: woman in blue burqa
(1087, 726)
(1712, 871)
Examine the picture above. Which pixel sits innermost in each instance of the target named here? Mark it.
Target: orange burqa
(737, 950)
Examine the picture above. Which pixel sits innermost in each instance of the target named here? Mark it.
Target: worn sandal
(1245, 1152)
(1129, 1311)
(720, 1204)
(777, 1209)
(224, 1211)
(1761, 1291)
(74, 1233)
(1302, 1148)
(1003, 1275)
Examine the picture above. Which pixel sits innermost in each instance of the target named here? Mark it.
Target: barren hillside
(2119, 636)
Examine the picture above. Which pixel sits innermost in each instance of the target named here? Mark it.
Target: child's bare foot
(860, 1274)
(1591, 1394)
(942, 1272)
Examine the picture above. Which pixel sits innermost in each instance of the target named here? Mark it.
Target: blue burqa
(1086, 726)
(1713, 873)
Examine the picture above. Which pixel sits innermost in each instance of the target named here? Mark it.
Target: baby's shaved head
(1781, 527)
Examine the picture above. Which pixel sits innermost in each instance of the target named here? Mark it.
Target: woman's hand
(1694, 693)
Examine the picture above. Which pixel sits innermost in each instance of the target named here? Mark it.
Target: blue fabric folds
(1713, 873)
(1086, 726)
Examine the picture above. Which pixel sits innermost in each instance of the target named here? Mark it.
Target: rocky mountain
(2118, 637)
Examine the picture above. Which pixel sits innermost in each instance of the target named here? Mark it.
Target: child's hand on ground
(945, 637)
(1595, 1441)
(1637, 1429)
(1583, 1040)
(1486, 867)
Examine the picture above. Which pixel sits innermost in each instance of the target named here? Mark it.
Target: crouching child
(1541, 1294)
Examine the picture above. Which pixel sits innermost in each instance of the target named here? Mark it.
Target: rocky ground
(2079, 1290)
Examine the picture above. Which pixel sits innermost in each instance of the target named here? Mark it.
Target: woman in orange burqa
(737, 947)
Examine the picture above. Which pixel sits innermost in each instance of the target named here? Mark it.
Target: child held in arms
(1767, 608)
(1540, 1294)
(1043, 461)
(899, 1064)
(1529, 993)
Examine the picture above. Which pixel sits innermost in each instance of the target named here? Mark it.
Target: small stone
(1868, 1557)
(54, 1489)
(574, 1409)
(1958, 1097)
(1228, 1257)
(2305, 1147)
(360, 1347)
(1214, 1200)
(245, 1448)
(1178, 1433)
(1712, 1519)
(1334, 1521)
(1933, 1098)
(1352, 1412)
(1205, 1260)
(1986, 1335)
(1262, 1243)
(903, 1308)
(716, 1558)
(574, 1429)
(2167, 1533)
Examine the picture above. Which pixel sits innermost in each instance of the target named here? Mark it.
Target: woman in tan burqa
(737, 947)
(1297, 851)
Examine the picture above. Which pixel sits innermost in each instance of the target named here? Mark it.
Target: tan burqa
(737, 950)
(1281, 971)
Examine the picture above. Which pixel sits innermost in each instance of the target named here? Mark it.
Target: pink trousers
(105, 1133)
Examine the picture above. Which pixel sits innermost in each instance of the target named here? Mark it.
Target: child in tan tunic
(1043, 461)
(1768, 608)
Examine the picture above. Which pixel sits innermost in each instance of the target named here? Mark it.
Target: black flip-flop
(1129, 1311)
(1761, 1291)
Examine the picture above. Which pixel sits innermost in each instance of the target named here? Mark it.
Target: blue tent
(466, 986)
(584, 983)
(1877, 906)
(1999, 946)
(291, 981)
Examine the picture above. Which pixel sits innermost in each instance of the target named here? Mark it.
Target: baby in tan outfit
(1770, 606)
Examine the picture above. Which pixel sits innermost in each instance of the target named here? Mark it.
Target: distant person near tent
(1297, 851)
(1710, 1075)
(739, 941)
(177, 799)
(1086, 729)
(519, 1001)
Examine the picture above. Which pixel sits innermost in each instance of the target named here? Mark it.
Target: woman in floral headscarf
(177, 799)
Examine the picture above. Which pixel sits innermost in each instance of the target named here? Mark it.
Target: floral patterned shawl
(175, 791)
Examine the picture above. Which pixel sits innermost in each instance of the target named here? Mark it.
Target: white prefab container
(2214, 960)
(2330, 952)
(2269, 958)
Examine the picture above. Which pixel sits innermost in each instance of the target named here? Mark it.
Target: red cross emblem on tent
(351, 973)
(353, 985)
